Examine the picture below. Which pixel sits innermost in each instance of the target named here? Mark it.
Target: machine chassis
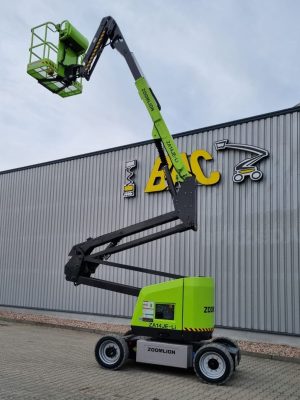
(213, 361)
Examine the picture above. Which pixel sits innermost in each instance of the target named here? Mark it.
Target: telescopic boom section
(109, 33)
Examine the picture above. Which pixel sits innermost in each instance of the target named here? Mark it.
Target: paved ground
(49, 363)
(232, 333)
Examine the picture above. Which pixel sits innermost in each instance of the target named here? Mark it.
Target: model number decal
(209, 309)
(162, 326)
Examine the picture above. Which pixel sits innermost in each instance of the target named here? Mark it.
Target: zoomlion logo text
(148, 99)
(164, 351)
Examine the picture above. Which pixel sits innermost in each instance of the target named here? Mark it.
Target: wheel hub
(213, 364)
(110, 352)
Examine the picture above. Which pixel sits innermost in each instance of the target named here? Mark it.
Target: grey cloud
(207, 62)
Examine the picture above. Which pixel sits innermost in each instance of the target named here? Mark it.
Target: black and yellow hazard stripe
(95, 51)
(198, 329)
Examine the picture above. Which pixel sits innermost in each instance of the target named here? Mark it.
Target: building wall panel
(248, 235)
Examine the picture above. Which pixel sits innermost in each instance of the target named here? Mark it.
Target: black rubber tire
(111, 352)
(213, 364)
(127, 333)
(131, 344)
(228, 342)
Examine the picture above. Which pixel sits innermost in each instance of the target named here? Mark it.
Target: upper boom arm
(109, 33)
(62, 77)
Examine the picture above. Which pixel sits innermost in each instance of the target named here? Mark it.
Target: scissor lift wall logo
(246, 167)
(129, 189)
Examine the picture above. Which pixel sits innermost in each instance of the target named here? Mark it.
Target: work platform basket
(48, 61)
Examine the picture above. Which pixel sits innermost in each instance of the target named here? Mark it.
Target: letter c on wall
(213, 177)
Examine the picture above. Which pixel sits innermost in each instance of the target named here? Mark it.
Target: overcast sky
(208, 61)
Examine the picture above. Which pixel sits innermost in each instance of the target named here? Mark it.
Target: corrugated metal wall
(248, 236)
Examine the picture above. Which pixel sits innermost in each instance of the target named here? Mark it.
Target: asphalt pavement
(39, 362)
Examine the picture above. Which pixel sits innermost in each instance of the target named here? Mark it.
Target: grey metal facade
(247, 238)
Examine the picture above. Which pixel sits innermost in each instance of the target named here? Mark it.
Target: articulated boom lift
(173, 321)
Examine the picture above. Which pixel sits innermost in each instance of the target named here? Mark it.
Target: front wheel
(213, 364)
(256, 175)
(237, 178)
(111, 352)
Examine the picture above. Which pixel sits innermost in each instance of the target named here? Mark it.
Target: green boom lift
(173, 321)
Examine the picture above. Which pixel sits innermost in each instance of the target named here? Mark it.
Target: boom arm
(84, 260)
(109, 33)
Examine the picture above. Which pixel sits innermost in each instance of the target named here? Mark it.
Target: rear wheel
(256, 175)
(213, 363)
(111, 352)
(229, 343)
